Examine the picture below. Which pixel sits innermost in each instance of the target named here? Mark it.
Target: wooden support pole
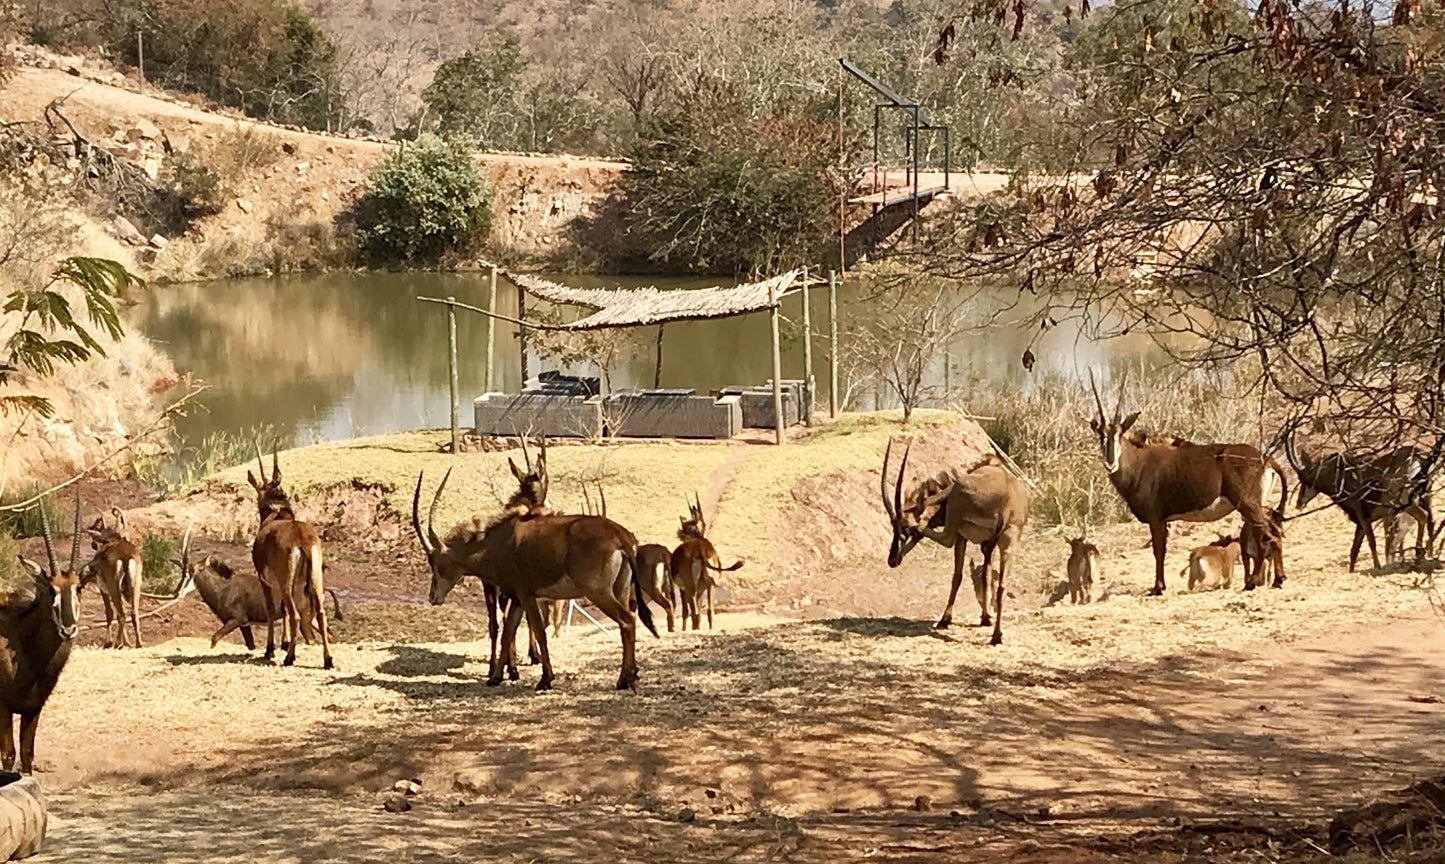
(140, 56)
(807, 350)
(832, 344)
(452, 363)
(522, 333)
(491, 330)
(657, 373)
(777, 365)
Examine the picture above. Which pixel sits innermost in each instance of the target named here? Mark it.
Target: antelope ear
(251, 478)
(35, 570)
(1129, 421)
(1094, 424)
(516, 472)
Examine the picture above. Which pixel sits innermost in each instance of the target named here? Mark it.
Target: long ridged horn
(1119, 403)
(416, 515)
(1098, 403)
(526, 454)
(75, 533)
(1296, 459)
(431, 514)
(185, 561)
(49, 540)
(275, 464)
(260, 462)
(898, 488)
(602, 496)
(542, 469)
(883, 483)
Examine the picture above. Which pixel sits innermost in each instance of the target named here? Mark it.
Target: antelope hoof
(270, 653)
(1249, 586)
(544, 684)
(996, 640)
(985, 621)
(512, 673)
(945, 622)
(627, 682)
(289, 661)
(328, 664)
(494, 681)
(1278, 583)
(1156, 591)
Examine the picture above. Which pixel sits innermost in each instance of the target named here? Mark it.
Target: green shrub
(156, 552)
(26, 523)
(427, 199)
(11, 573)
(183, 468)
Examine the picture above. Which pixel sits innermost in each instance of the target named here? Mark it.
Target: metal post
(777, 364)
(876, 120)
(657, 373)
(522, 333)
(491, 329)
(947, 155)
(140, 56)
(807, 351)
(452, 364)
(832, 345)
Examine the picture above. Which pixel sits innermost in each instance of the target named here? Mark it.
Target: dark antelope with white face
(1369, 488)
(693, 564)
(532, 555)
(988, 506)
(1172, 480)
(36, 634)
(287, 557)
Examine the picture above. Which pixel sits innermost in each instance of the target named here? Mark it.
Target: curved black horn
(275, 464)
(185, 561)
(260, 461)
(1119, 402)
(75, 533)
(542, 469)
(883, 482)
(1098, 403)
(431, 514)
(526, 454)
(49, 540)
(416, 513)
(898, 487)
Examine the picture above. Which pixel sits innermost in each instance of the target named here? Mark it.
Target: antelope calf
(693, 564)
(987, 505)
(287, 557)
(37, 630)
(1083, 567)
(236, 599)
(654, 571)
(116, 568)
(1212, 566)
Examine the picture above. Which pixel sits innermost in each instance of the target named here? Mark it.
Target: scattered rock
(177, 141)
(145, 130)
(243, 205)
(407, 787)
(711, 793)
(128, 233)
(686, 814)
(396, 804)
(923, 804)
(288, 148)
(159, 242)
(302, 166)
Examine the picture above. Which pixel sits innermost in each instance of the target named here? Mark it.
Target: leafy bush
(11, 573)
(182, 469)
(26, 523)
(427, 199)
(717, 190)
(156, 553)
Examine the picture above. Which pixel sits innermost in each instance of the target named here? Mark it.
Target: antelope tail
(737, 565)
(335, 605)
(643, 613)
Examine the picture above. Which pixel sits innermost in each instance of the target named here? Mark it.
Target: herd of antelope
(529, 558)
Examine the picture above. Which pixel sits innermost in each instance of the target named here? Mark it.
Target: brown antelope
(530, 555)
(1083, 569)
(1370, 488)
(1212, 566)
(236, 598)
(287, 557)
(37, 631)
(654, 569)
(1174, 480)
(693, 564)
(988, 505)
(116, 568)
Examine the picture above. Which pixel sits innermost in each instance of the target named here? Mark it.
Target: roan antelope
(530, 556)
(236, 599)
(37, 631)
(988, 506)
(287, 557)
(693, 564)
(654, 569)
(1369, 488)
(1083, 570)
(1173, 480)
(116, 568)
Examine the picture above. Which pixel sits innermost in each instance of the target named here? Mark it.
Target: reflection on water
(342, 355)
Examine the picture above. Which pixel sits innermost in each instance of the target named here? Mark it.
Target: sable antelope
(236, 598)
(1369, 488)
(693, 564)
(116, 568)
(654, 566)
(287, 557)
(1212, 566)
(988, 506)
(530, 556)
(36, 633)
(1083, 567)
(1176, 480)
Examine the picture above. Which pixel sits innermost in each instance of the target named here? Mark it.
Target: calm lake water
(342, 355)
